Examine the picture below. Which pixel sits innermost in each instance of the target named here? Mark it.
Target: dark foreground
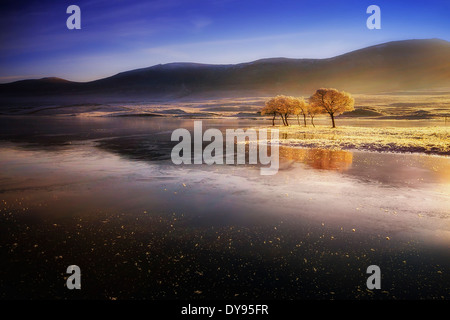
(107, 198)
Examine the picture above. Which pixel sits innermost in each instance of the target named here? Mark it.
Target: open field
(431, 140)
(404, 105)
(415, 105)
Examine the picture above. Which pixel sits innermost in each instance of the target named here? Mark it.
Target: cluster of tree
(329, 101)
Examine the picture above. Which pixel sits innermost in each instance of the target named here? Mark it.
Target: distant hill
(399, 65)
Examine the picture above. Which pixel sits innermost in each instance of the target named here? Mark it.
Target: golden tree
(278, 105)
(299, 107)
(269, 109)
(314, 110)
(333, 102)
(284, 107)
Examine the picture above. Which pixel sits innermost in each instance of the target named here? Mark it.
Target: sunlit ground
(431, 105)
(430, 140)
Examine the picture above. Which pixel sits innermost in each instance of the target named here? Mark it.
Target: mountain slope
(399, 65)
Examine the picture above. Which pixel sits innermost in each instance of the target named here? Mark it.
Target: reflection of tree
(338, 160)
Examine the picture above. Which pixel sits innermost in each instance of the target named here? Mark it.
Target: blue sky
(119, 35)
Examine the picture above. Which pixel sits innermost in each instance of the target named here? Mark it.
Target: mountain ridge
(396, 65)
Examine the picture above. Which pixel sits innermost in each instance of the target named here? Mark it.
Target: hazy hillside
(400, 65)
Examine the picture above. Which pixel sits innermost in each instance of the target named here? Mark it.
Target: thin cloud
(229, 41)
(200, 22)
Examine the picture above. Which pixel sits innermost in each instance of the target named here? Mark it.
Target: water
(103, 194)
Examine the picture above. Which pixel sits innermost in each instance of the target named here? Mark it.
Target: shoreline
(416, 140)
(392, 136)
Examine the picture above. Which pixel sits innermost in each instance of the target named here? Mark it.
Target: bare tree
(334, 102)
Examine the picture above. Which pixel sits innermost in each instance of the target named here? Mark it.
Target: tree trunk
(286, 118)
(298, 121)
(332, 119)
(273, 119)
(282, 119)
(304, 119)
(312, 121)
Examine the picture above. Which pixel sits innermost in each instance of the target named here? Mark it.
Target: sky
(121, 35)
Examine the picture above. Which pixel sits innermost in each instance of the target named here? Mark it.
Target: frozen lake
(103, 194)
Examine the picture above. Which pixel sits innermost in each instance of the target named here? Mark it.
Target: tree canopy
(332, 101)
(324, 100)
